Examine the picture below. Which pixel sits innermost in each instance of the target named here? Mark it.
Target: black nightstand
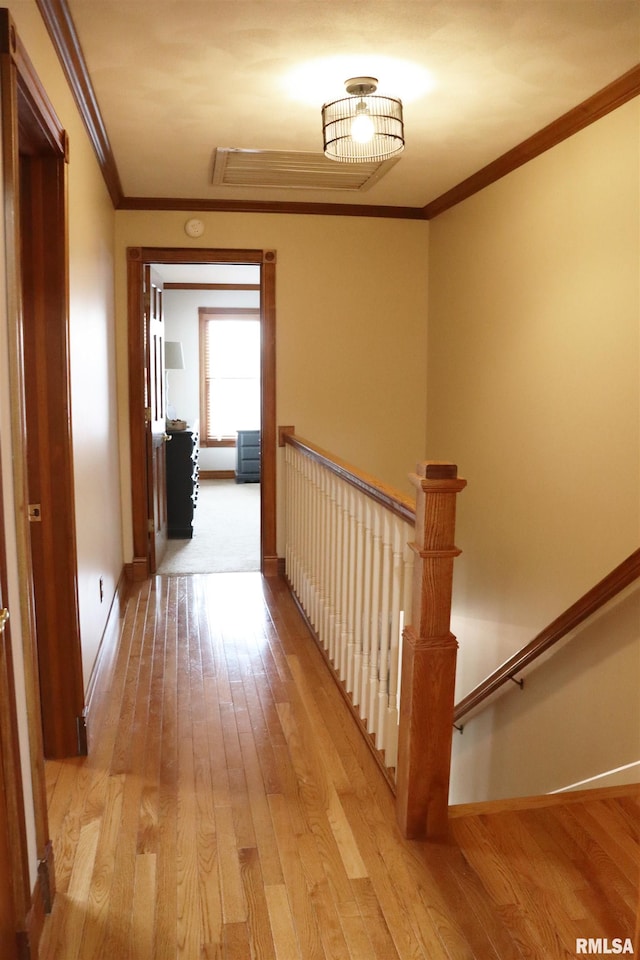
(248, 456)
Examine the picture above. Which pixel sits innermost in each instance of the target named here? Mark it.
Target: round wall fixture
(194, 228)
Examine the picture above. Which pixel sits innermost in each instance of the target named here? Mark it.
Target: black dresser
(182, 483)
(248, 456)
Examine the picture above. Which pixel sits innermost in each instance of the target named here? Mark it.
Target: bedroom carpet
(226, 532)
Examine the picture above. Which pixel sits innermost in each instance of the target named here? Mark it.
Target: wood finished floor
(230, 809)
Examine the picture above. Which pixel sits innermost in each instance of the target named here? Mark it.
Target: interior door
(46, 364)
(13, 858)
(8, 941)
(156, 417)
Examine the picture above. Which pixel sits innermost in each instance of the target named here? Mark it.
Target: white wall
(181, 323)
(534, 390)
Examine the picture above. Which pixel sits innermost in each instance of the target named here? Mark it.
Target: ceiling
(176, 79)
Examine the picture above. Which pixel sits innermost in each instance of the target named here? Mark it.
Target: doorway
(144, 483)
(213, 332)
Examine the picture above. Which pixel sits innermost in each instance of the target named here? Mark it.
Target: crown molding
(267, 206)
(594, 108)
(58, 21)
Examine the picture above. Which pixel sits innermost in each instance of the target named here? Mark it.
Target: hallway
(229, 808)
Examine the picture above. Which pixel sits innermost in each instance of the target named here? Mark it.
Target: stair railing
(607, 588)
(361, 559)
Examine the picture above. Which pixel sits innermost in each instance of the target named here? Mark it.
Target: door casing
(138, 258)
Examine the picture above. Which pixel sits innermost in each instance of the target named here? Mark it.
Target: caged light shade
(363, 126)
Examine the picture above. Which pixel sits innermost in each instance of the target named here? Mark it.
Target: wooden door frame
(27, 115)
(137, 258)
(157, 421)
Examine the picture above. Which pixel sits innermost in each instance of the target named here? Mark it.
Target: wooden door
(8, 940)
(8, 911)
(156, 417)
(49, 452)
(14, 885)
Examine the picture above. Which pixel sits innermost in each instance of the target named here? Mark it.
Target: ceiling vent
(293, 170)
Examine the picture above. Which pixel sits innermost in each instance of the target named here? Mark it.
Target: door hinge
(147, 414)
(150, 525)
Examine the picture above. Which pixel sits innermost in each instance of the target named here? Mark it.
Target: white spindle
(400, 536)
(335, 553)
(349, 563)
(383, 656)
(351, 592)
(359, 594)
(367, 632)
(376, 581)
(341, 633)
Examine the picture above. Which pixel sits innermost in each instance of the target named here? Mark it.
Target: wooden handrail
(395, 501)
(623, 575)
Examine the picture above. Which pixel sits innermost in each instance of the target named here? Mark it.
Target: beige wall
(351, 301)
(92, 348)
(533, 388)
(93, 385)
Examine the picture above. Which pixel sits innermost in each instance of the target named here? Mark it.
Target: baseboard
(629, 773)
(543, 800)
(137, 570)
(106, 653)
(217, 474)
(271, 566)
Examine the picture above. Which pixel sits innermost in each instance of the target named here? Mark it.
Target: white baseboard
(629, 773)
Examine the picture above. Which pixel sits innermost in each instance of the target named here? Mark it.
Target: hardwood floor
(229, 808)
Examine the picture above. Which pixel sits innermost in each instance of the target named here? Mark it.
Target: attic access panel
(293, 170)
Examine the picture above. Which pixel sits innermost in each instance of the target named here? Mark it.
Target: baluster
(351, 592)
(288, 510)
(383, 660)
(366, 609)
(313, 545)
(401, 534)
(304, 519)
(308, 541)
(295, 509)
(309, 538)
(323, 555)
(359, 594)
(341, 632)
(374, 652)
(336, 571)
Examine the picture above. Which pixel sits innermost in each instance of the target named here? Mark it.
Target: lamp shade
(173, 356)
(363, 126)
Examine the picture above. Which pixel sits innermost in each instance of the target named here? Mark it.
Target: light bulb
(362, 127)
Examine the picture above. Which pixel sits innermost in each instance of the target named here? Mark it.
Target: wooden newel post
(429, 660)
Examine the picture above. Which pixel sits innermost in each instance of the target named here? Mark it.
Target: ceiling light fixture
(363, 126)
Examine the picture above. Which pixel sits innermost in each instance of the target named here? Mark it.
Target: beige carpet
(226, 532)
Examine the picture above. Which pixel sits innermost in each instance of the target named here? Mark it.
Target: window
(229, 373)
